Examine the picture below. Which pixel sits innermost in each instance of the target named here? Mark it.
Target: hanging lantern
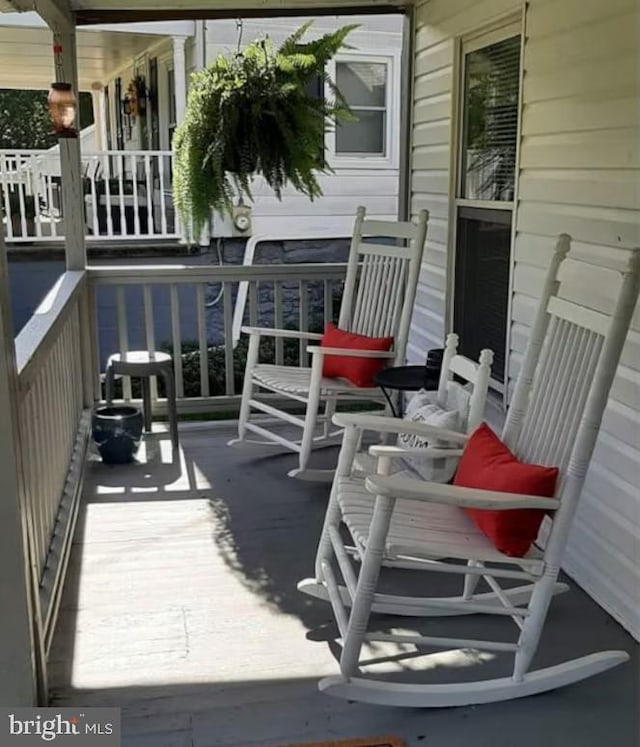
(62, 109)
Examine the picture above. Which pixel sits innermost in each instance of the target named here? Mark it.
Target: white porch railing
(59, 372)
(189, 311)
(127, 195)
(53, 431)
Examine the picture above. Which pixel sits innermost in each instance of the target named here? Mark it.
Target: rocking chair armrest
(274, 332)
(430, 452)
(384, 424)
(349, 352)
(455, 495)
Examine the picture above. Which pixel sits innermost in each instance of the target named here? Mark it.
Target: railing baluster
(23, 215)
(230, 386)
(177, 340)
(94, 196)
(108, 205)
(150, 333)
(136, 205)
(53, 226)
(253, 303)
(123, 337)
(163, 207)
(35, 191)
(4, 176)
(40, 465)
(31, 467)
(49, 437)
(122, 168)
(94, 342)
(202, 339)
(149, 186)
(328, 302)
(304, 320)
(278, 321)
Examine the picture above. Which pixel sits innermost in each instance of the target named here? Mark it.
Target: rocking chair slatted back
(375, 301)
(567, 373)
(559, 393)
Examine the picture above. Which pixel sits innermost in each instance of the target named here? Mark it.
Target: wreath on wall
(254, 113)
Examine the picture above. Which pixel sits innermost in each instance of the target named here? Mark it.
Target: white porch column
(180, 77)
(17, 635)
(180, 84)
(99, 116)
(66, 67)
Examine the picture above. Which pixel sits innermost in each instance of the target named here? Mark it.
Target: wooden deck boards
(181, 608)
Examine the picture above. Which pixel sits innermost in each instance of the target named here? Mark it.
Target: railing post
(88, 324)
(18, 633)
(66, 68)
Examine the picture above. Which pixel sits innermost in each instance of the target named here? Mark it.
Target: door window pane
(482, 283)
(491, 82)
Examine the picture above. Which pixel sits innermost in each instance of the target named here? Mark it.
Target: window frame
(391, 60)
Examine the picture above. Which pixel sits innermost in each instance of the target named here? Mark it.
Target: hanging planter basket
(253, 113)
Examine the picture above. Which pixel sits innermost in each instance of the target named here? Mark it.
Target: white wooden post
(17, 635)
(180, 77)
(66, 69)
(180, 93)
(99, 120)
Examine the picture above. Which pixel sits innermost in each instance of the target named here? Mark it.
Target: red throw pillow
(359, 371)
(488, 464)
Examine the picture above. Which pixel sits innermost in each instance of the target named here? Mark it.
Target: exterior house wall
(372, 181)
(369, 181)
(579, 172)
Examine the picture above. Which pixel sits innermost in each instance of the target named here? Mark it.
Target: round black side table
(404, 379)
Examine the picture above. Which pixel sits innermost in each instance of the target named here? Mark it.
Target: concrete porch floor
(181, 608)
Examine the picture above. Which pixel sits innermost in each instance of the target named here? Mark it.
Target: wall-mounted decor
(134, 103)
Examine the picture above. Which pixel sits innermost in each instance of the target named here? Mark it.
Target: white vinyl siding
(333, 213)
(438, 24)
(579, 172)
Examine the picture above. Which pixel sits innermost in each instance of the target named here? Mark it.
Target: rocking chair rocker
(377, 301)
(553, 420)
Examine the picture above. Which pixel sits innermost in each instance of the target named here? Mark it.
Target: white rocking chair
(554, 419)
(378, 299)
(469, 399)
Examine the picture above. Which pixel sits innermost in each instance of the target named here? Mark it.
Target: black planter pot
(117, 432)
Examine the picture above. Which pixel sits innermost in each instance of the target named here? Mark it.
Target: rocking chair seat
(294, 380)
(423, 530)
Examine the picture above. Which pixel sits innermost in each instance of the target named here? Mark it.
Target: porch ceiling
(120, 11)
(26, 58)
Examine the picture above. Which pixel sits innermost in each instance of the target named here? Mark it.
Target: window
(364, 85)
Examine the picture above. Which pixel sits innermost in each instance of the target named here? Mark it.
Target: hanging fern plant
(253, 113)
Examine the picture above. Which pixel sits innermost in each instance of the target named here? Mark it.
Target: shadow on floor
(181, 607)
